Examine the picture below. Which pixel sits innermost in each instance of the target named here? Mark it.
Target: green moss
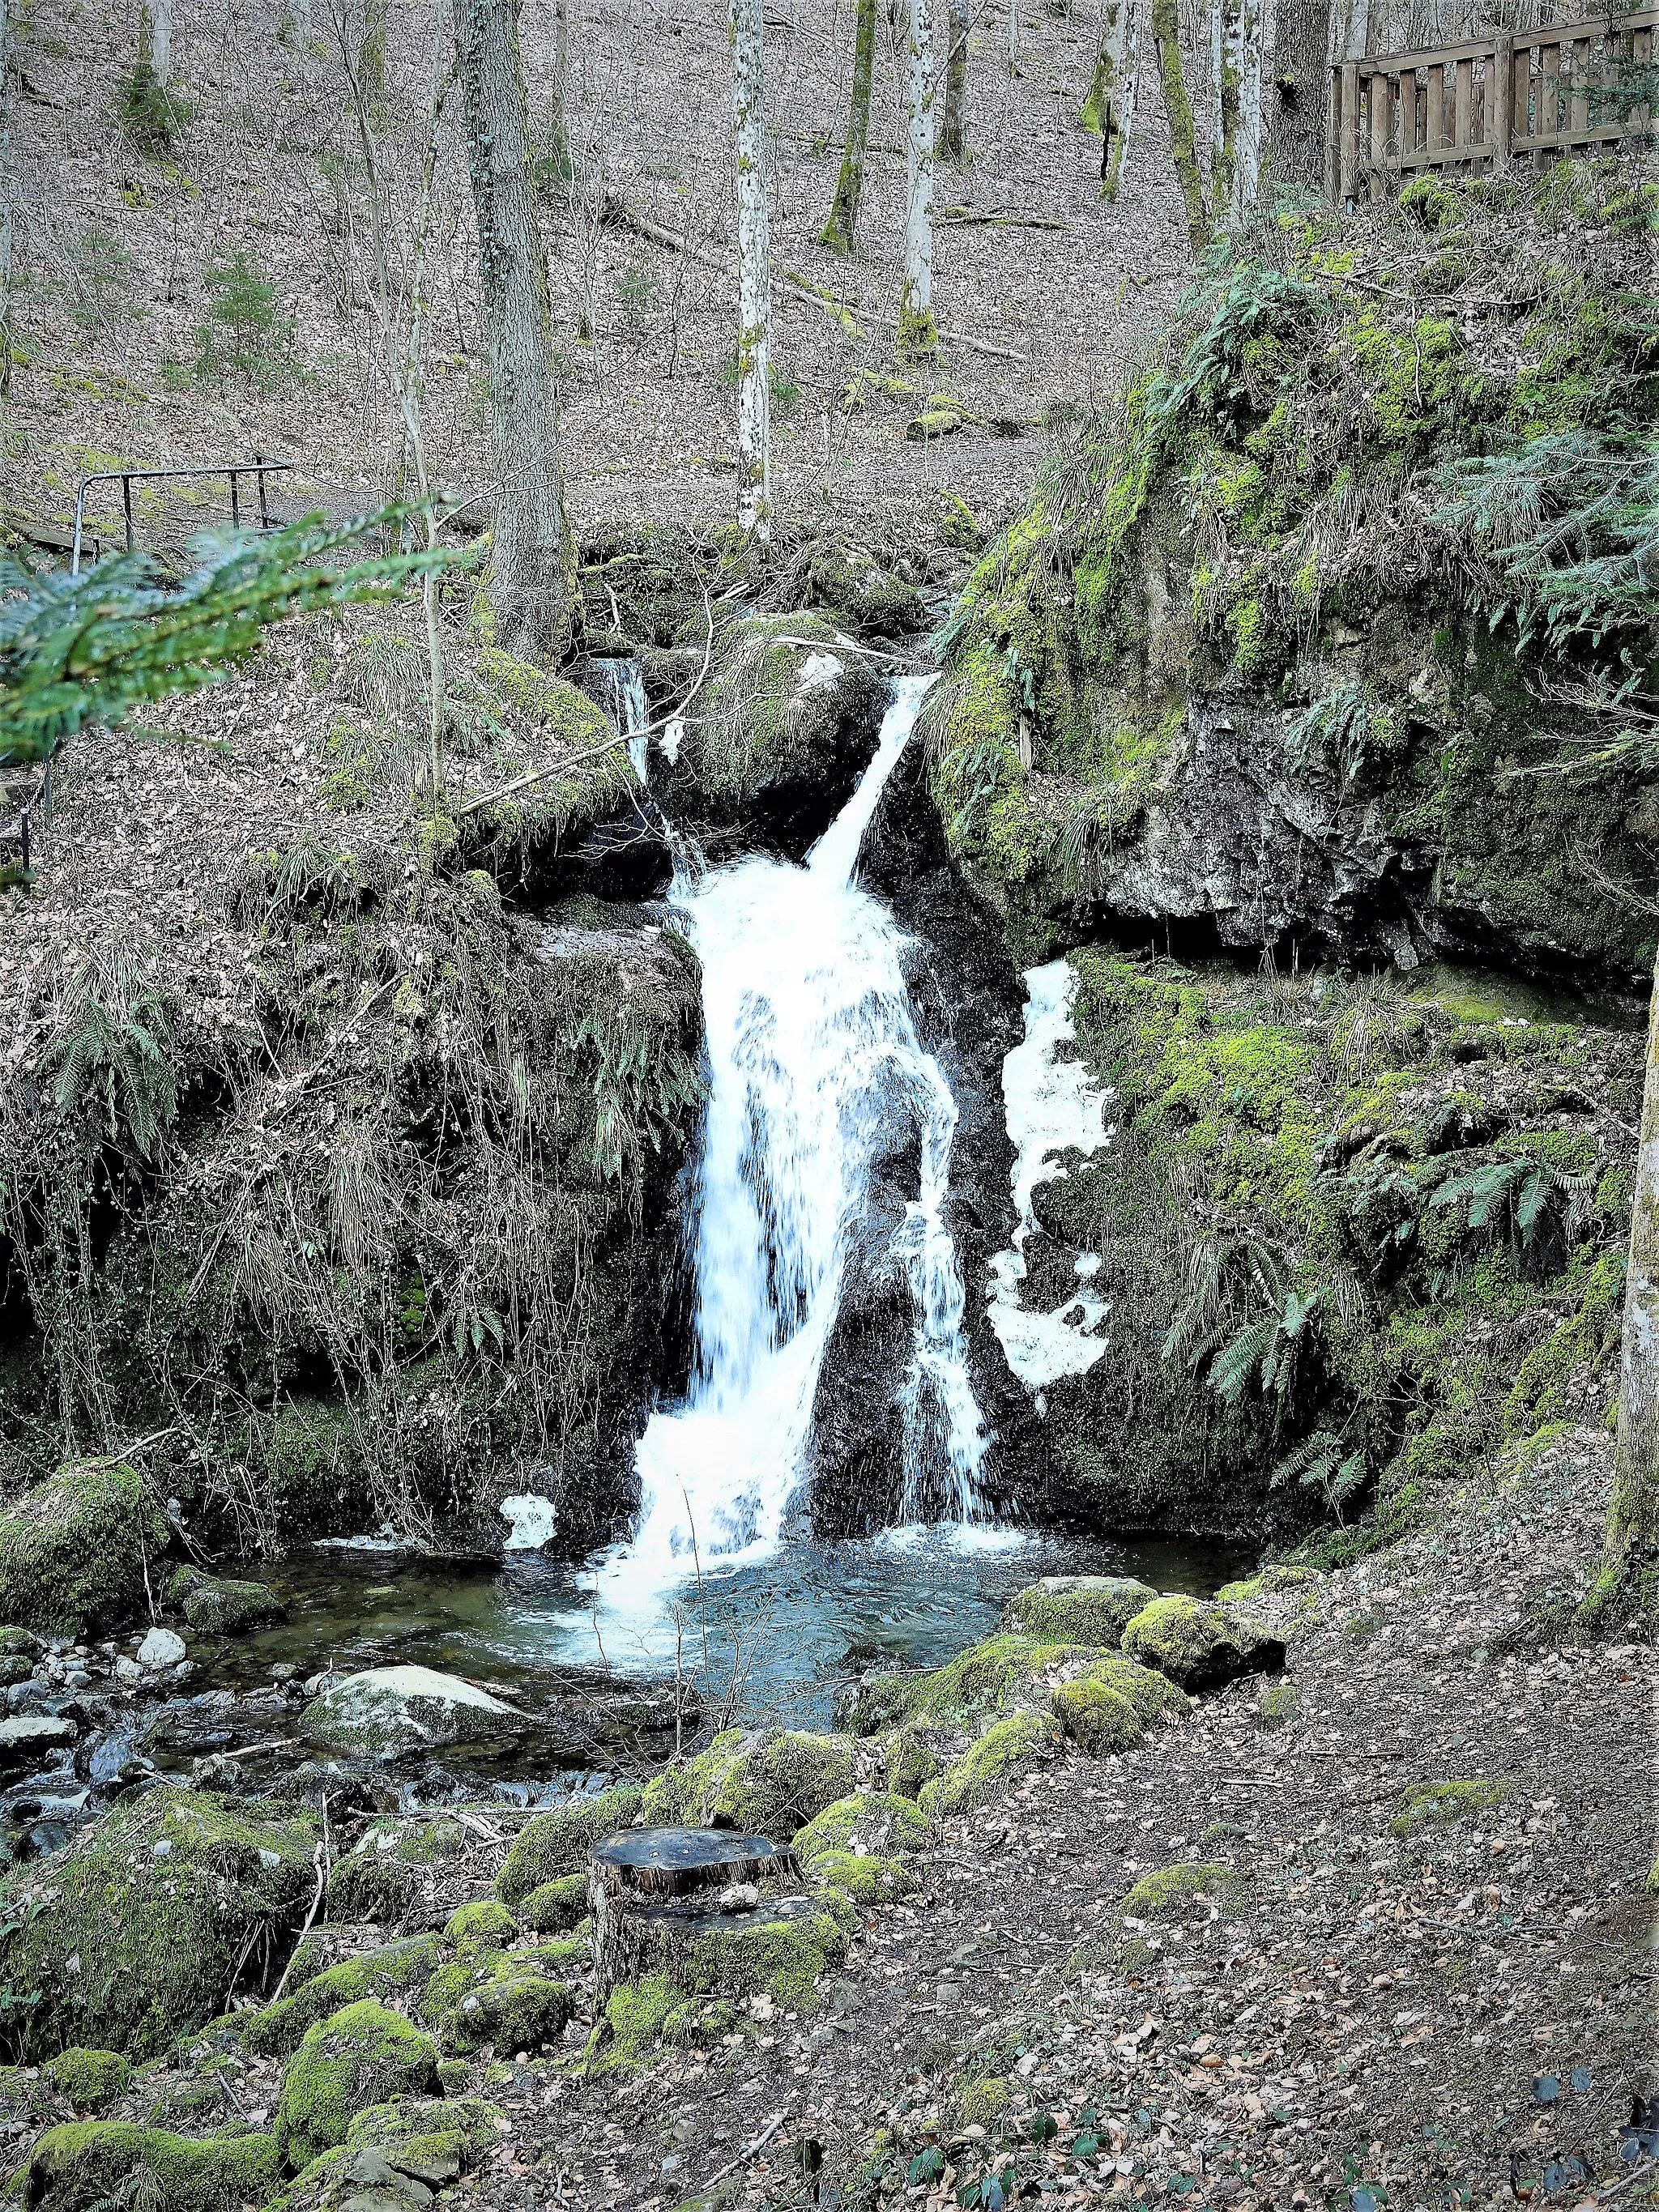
(369, 1888)
(867, 1880)
(783, 700)
(556, 1905)
(1278, 1703)
(868, 1819)
(280, 2027)
(981, 2104)
(362, 2056)
(1108, 1706)
(641, 2015)
(93, 2162)
(1198, 1644)
(89, 2080)
(1268, 1582)
(516, 2010)
(911, 1763)
(1436, 1804)
(767, 1783)
(1173, 1892)
(990, 1767)
(1079, 1608)
(213, 1607)
(989, 1677)
(783, 1955)
(480, 1927)
(134, 1939)
(74, 1551)
(558, 1843)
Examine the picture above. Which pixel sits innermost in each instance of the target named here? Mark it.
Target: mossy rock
(89, 2080)
(1079, 1608)
(1278, 1703)
(988, 1768)
(558, 1843)
(1268, 1582)
(1108, 1708)
(371, 1889)
(364, 2054)
(1438, 1804)
(154, 1905)
(213, 1607)
(93, 2162)
(280, 2028)
(1001, 1674)
(868, 1819)
(393, 1712)
(768, 1782)
(554, 1906)
(868, 1880)
(471, 2122)
(75, 1549)
(1173, 1892)
(516, 2010)
(981, 2104)
(653, 2013)
(1200, 1645)
(910, 1762)
(482, 1926)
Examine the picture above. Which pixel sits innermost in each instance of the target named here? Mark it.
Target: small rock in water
(25, 1738)
(161, 1648)
(388, 1711)
(127, 1670)
(739, 1896)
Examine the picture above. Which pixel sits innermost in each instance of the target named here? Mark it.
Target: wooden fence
(1505, 98)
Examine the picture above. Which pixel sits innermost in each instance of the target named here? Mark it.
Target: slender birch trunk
(1109, 110)
(1235, 120)
(532, 557)
(754, 272)
(1249, 147)
(1013, 37)
(1183, 135)
(918, 333)
(161, 40)
(952, 138)
(5, 199)
(558, 130)
(838, 232)
(1633, 1514)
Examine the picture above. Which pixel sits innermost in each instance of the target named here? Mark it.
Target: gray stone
(387, 1711)
(25, 1739)
(161, 1648)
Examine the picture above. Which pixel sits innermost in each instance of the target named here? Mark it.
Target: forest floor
(1368, 2007)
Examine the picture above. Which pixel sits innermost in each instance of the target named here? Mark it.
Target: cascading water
(814, 1052)
(624, 683)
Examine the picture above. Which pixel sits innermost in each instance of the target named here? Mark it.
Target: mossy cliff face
(401, 1243)
(1289, 643)
(1352, 1241)
(130, 1937)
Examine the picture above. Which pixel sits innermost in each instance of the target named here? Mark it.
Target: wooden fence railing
(1509, 98)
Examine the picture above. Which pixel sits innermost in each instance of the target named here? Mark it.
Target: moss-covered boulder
(132, 1934)
(909, 1761)
(787, 721)
(1109, 1705)
(767, 1782)
(517, 2009)
(557, 1843)
(89, 2080)
(74, 1551)
(867, 1880)
(867, 1820)
(395, 2155)
(1077, 1608)
(1201, 1645)
(279, 2027)
(553, 1906)
(364, 2054)
(92, 2162)
(214, 1607)
(991, 1766)
(996, 1675)
(393, 1712)
(482, 1926)
(1180, 1892)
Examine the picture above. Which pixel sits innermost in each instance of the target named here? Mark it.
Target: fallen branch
(962, 218)
(617, 210)
(321, 1864)
(540, 774)
(980, 345)
(747, 2152)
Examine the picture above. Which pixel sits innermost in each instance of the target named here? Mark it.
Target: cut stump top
(677, 1862)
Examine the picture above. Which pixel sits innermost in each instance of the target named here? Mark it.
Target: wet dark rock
(214, 1607)
(24, 1739)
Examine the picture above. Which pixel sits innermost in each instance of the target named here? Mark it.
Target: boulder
(161, 1649)
(558, 1843)
(213, 1607)
(1079, 1608)
(362, 2056)
(28, 1737)
(74, 1550)
(89, 2080)
(554, 1906)
(1201, 1644)
(281, 2026)
(135, 1939)
(388, 1712)
(106, 2162)
(989, 1768)
(767, 1781)
(1110, 1704)
(395, 2155)
(868, 1820)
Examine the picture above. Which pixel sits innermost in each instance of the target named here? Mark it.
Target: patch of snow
(820, 671)
(1051, 1108)
(672, 738)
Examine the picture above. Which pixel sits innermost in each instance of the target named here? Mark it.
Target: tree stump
(654, 1893)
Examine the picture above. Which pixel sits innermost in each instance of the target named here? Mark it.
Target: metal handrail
(261, 465)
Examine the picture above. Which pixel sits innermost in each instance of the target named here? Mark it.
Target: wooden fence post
(1350, 131)
(1500, 86)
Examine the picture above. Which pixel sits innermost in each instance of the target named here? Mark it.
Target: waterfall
(623, 700)
(815, 1064)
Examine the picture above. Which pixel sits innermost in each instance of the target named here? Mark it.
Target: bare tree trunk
(371, 54)
(1633, 1514)
(918, 333)
(754, 272)
(952, 140)
(1300, 44)
(1013, 37)
(161, 38)
(1236, 122)
(838, 232)
(1109, 110)
(558, 130)
(5, 199)
(531, 554)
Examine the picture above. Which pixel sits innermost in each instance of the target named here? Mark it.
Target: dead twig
(748, 2151)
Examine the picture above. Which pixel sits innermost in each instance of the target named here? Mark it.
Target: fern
(114, 1050)
(1319, 1462)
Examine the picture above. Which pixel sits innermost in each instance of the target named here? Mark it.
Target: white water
(531, 1521)
(816, 1069)
(1051, 1108)
(624, 701)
